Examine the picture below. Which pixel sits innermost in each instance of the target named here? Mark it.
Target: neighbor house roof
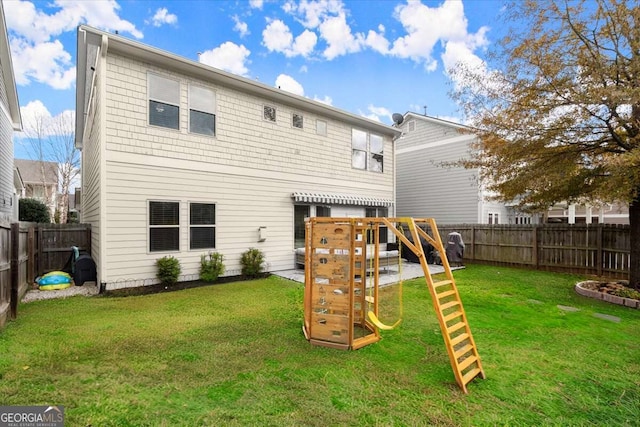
(6, 68)
(31, 171)
(93, 43)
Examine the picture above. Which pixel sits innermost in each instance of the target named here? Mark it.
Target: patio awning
(340, 199)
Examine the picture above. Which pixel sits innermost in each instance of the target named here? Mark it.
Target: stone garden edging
(590, 293)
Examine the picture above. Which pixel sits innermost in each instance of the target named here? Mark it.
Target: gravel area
(87, 289)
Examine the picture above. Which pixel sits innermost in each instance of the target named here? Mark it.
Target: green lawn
(234, 354)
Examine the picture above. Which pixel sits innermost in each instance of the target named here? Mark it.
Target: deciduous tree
(557, 108)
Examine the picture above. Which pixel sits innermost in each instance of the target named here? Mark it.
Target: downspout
(102, 90)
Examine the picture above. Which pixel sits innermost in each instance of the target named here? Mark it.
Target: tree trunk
(634, 225)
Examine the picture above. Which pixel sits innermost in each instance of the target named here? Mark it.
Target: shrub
(168, 270)
(33, 210)
(211, 266)
(252, 262)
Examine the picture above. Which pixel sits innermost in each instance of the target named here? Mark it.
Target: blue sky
(371, 58)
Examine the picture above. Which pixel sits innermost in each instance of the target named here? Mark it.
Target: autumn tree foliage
(557, 108)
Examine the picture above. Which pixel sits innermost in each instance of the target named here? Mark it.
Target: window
(367, 151)
(164, 101)
(164, 226)
(321, 127)
(493, 218)
(202, 108)
(324, 211)
(202, 226)
(376, 153)
(300, 212)
(297, 121)
(378, 213)
(269, 113)
(359, 149)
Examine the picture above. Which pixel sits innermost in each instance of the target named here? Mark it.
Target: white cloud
(46, 63)
(329, 18)
(375, 113)
(256, 4)
(37, 119)
(37, 53)
(325, 100)
(337, 33)
(377, 42)
(229, 57)
(162, 16)
(427, 26)
(304, 69)
(241, 27)
(277, 37)
(289, 84)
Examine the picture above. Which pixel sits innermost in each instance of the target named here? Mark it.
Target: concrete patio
(387, 277)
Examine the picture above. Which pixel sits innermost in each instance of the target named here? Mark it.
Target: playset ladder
(463, 355)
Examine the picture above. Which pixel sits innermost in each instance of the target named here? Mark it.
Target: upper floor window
(269, 113)
(297, 121)
(164, 101)
(321, 127)
(164, 226)
(202, 108)
(367, 151)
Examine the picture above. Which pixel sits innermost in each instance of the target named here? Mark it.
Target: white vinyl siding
(249, 173)
(425, 188)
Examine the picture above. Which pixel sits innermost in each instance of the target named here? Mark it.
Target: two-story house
(10, 121)
(181, 159)
(40, 181)
(429, 186)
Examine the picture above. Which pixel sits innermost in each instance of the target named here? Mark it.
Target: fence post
(536, 262)
(39, 250)
(31, 263)
(599, 249)
(15, 269)
(473, 242)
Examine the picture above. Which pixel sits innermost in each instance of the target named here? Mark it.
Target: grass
(234, 354)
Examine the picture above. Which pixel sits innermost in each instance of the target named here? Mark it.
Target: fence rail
(28, 250)
(590, 249)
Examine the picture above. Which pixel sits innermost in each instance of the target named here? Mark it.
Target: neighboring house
(581, 214)
(10, 121)
(427, 188)
(181, 159)
(40, 181)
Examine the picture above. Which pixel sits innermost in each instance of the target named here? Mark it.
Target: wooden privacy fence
(28, 250)
(590, 249)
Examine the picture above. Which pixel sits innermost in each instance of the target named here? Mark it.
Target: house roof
(6, 67)
(31, 171)
(410, 114)
(93, 43)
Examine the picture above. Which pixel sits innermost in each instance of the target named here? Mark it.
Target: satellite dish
(397, 118)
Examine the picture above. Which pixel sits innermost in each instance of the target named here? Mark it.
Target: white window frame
(161, 95)
(213, 226)
(365, 149)
(204, 103)
(321, 127)
(163, 226)
(267, 117)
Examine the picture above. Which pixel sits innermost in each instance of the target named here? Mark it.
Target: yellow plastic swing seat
(374, 319)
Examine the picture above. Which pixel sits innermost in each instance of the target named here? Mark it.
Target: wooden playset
(341, 299)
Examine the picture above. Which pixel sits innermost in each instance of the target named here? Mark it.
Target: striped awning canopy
(340, 199)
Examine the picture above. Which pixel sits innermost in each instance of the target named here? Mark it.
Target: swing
(370, 298)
